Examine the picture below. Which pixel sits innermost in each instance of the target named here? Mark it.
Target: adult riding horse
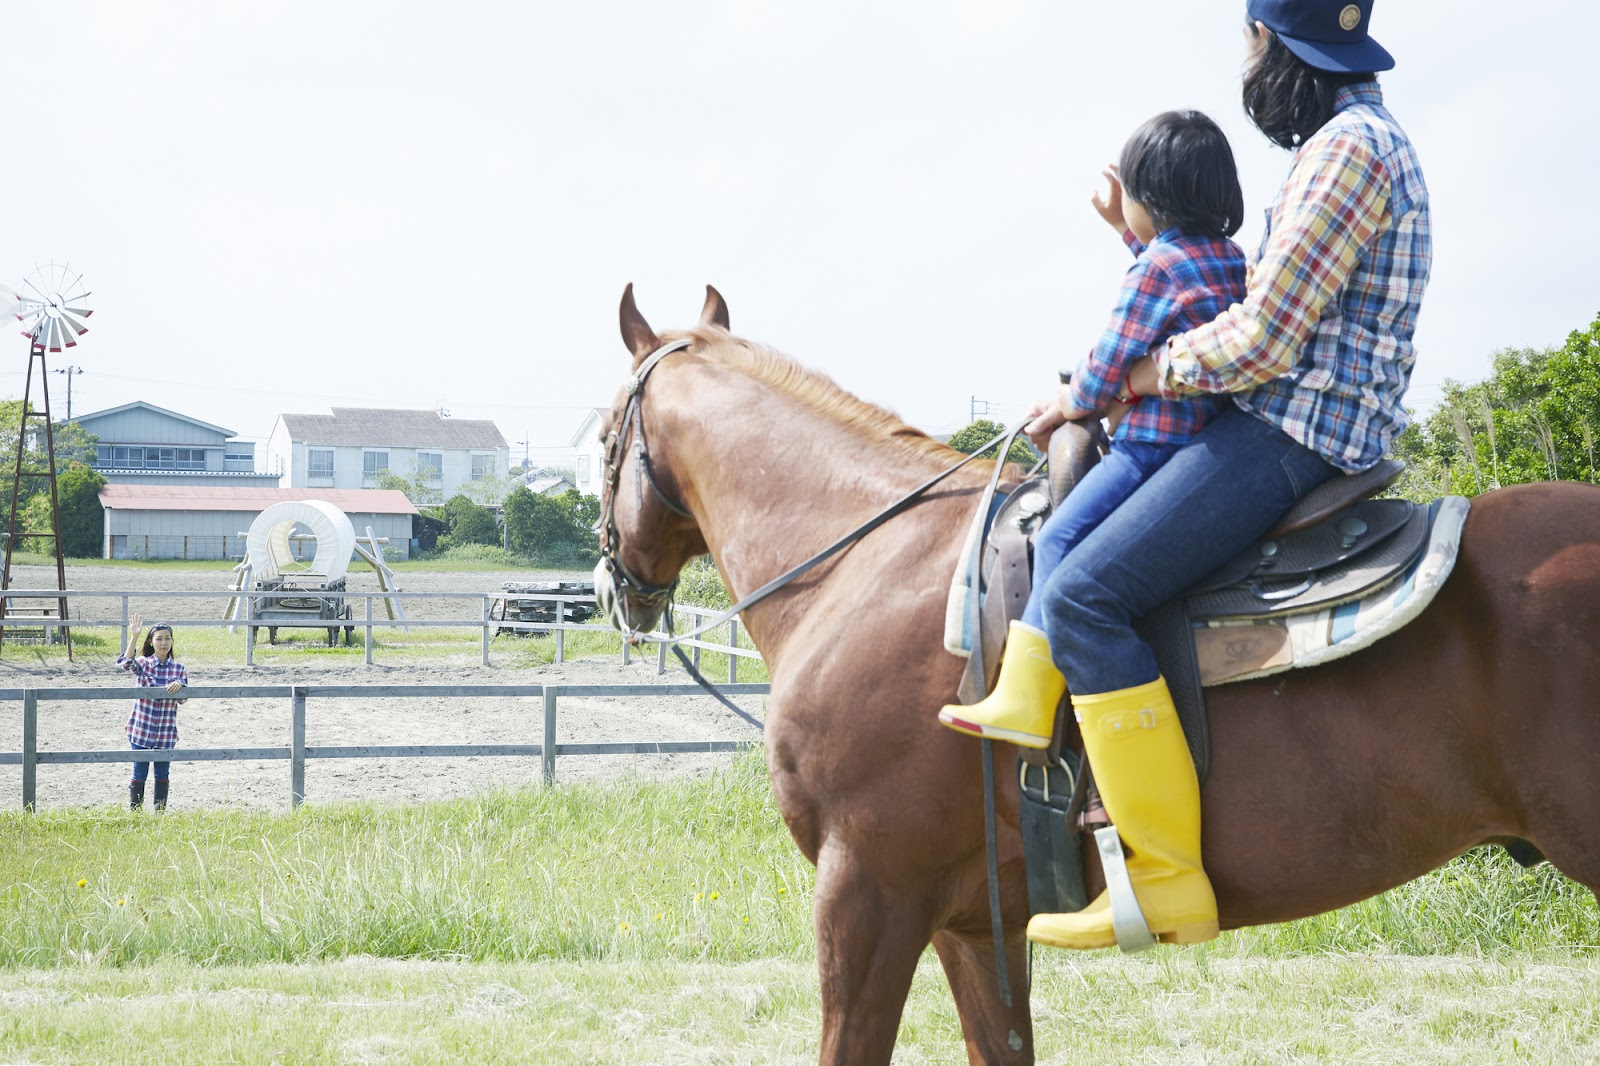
(1478, 722)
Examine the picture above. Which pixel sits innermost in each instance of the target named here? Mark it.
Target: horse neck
(773, 479)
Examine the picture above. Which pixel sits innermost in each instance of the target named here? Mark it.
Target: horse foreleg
(994, 1032)
(868, 943)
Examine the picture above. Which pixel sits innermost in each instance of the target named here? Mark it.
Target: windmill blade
(74, 322)
(81, 312)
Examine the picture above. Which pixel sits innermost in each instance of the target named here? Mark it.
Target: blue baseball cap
(1327, 34)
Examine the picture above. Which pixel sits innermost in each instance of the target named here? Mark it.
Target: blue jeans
(1128, 465)
(141, 770)
(1218, 494)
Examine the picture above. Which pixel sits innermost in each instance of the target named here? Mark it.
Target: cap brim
(1357, 58)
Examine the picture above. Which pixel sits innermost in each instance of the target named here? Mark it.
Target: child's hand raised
(1107, 199)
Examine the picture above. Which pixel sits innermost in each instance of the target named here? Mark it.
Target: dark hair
(1287, 98)
(1179, 167)
(150, 642)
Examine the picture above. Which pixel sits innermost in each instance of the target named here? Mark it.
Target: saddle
(1333, 552)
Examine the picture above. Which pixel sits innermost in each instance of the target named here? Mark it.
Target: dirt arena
(98, 725)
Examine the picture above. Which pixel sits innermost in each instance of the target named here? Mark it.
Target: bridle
(653, 596)
(644, 593)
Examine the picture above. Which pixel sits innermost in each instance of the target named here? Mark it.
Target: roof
(392, 427)
(228, 498)
(81, 419)
(588, 430)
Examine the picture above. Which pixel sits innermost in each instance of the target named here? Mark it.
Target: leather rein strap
(633, 418)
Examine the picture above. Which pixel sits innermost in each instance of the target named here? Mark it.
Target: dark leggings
(142, 769)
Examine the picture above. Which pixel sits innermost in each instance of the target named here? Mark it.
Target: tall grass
(662, 870)
(690, 869)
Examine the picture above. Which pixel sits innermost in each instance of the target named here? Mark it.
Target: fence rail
(297, 751)
(483, 621)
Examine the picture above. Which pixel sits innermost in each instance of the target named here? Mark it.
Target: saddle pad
(1237, 650)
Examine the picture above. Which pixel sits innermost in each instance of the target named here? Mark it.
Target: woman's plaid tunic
(154, 722)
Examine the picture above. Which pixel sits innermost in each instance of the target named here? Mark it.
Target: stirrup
(1127, 918)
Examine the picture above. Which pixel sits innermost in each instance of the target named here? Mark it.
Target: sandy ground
(97, 725)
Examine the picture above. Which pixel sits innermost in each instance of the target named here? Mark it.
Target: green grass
(670, 921)
(687, 869)
(1103, 1008)
(675, 870)
(198, 646)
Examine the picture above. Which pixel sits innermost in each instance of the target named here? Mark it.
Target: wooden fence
(297, 752)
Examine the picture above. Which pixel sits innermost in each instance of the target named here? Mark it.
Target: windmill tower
(53, 309)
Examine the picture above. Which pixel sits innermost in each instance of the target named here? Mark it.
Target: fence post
(561, 644)
(547, 752)
(124, 643)
(733, 660)
(661, 658)
(249, 627)
(297, 747)
(30, 747)
(488, 609)
(369, 629)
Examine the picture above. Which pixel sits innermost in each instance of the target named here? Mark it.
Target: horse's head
(647, 530)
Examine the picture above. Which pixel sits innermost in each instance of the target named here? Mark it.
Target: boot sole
(989, 732)
(1193, 933)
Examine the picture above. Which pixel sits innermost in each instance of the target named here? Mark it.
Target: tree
(468, 523)
(1535, 418)
(554, 530)
(72, 444)
(82, 516)
(970, 438)
(416, 487)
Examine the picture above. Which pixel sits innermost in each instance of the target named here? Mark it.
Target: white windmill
(53, 309)
(52, 306)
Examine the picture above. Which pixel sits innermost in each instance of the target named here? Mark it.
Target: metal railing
(298, 752)
(488, 625)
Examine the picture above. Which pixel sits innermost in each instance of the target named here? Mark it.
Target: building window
(319, 462)
(239, 451)
(482, 466)
(374, 464)
(583, 470)
(430, 466)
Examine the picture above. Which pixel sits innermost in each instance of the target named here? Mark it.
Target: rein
(651, 595)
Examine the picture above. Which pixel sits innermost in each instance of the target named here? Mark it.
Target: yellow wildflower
(624, 927)
(83, 882)
(716, 895)
(120, 902)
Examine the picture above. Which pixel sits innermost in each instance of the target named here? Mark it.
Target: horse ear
(715, 312)
(636, 332)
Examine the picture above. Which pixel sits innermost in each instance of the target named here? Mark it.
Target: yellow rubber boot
(1022, 707)
(1146, 779)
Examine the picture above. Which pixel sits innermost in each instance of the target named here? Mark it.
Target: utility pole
(975, 408)
(69, 371)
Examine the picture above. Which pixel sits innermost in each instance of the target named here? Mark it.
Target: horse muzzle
(628, 614)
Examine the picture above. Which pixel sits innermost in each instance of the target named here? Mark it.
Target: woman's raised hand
(1107, 199)
(136, 623)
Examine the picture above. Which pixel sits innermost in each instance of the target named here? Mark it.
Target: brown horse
(1478, 722)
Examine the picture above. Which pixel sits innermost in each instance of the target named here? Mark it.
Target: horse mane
(814, 389)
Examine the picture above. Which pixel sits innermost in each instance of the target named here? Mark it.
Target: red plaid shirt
(1179, 282)
(154, 722)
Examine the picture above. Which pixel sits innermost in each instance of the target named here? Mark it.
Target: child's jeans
(1128, 465)
(1221, 491)
(142, 769)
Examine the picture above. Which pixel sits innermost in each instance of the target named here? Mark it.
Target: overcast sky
(290, 206)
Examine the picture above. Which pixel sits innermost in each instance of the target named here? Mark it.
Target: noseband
(639, 590)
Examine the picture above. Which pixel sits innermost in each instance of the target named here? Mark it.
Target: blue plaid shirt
(1321, 344)
(153, 723)
(1178, 282)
